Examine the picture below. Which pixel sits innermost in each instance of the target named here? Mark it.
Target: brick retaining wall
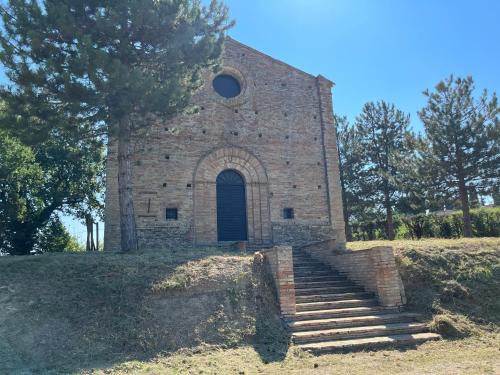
(280, 262)
(374, 268)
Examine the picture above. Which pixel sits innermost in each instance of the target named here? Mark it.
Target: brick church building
(258, 162)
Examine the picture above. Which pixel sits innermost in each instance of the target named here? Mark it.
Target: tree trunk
(127, 218)
(97, 236)
(90, 233)
(348, 231)
(389, 226)
(464, 200)
(24, 239)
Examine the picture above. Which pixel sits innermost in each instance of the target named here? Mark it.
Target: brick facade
(278, 133)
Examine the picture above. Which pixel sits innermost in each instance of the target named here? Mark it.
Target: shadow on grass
(272, 339)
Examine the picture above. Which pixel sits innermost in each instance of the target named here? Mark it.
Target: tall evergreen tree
(356, 203)
(115, 63)
(419, 192)
(387, 146)
(463, 140)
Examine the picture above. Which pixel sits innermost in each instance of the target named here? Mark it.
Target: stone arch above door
(257, 194)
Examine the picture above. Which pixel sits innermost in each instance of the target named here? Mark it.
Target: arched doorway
(231, 207)
(237, 159)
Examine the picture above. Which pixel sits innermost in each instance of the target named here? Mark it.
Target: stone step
(307, 273)
(342, 312)
(306, 263)
(300, 270)
(314, 266)
(317, 266)
(358, 332)
(332, 297)
(355, 321)
(300, 279)
(314, 274)
(340, 304)
(323, 284)
(328, 290)
(362, 343)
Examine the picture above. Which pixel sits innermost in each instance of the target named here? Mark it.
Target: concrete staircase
(333, 313)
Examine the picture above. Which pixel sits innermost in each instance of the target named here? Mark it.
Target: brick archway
(257, 194)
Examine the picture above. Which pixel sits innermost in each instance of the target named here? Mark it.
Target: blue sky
(373, 50)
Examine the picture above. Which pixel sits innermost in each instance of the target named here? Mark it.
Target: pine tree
(386, 143)
(118, 64)
(356, 203)
(463, 140)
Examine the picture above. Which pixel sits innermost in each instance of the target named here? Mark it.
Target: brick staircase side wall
(374, 268)
(280, 263)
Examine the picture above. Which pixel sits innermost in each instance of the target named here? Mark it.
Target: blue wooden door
(231, 207)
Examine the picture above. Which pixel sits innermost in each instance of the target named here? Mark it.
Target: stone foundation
(298, 234)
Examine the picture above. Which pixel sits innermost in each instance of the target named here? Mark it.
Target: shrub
(485, 223)
(55, 238)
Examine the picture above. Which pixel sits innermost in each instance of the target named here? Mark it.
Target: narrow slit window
(288, 213)
(171, 214)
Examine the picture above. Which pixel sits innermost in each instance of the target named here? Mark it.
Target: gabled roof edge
(277, 61)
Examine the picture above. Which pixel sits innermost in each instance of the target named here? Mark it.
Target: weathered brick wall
(278, 133)
(280, 263)
(374, 268)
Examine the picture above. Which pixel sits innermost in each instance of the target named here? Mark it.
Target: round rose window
(227, 86)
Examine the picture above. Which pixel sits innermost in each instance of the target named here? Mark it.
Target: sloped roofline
(277, 61)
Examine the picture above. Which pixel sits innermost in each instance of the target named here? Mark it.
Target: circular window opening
(226, 86)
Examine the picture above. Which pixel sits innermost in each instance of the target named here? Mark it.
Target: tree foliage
(358, 205)
(39, 178)
(463, 141)
(115, 64)
(55, 238)
(387, 146)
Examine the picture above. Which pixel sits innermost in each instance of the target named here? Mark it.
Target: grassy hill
(455, 281)
(194, 310)
(74, 310)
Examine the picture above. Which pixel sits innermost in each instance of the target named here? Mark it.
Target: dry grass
(434, 244)
(73, 311)
(469, 356)
(454, 282)
(208, 273)
(193, 311)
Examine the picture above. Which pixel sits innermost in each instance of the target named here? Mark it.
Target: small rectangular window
(171, 214)
(288, 213)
